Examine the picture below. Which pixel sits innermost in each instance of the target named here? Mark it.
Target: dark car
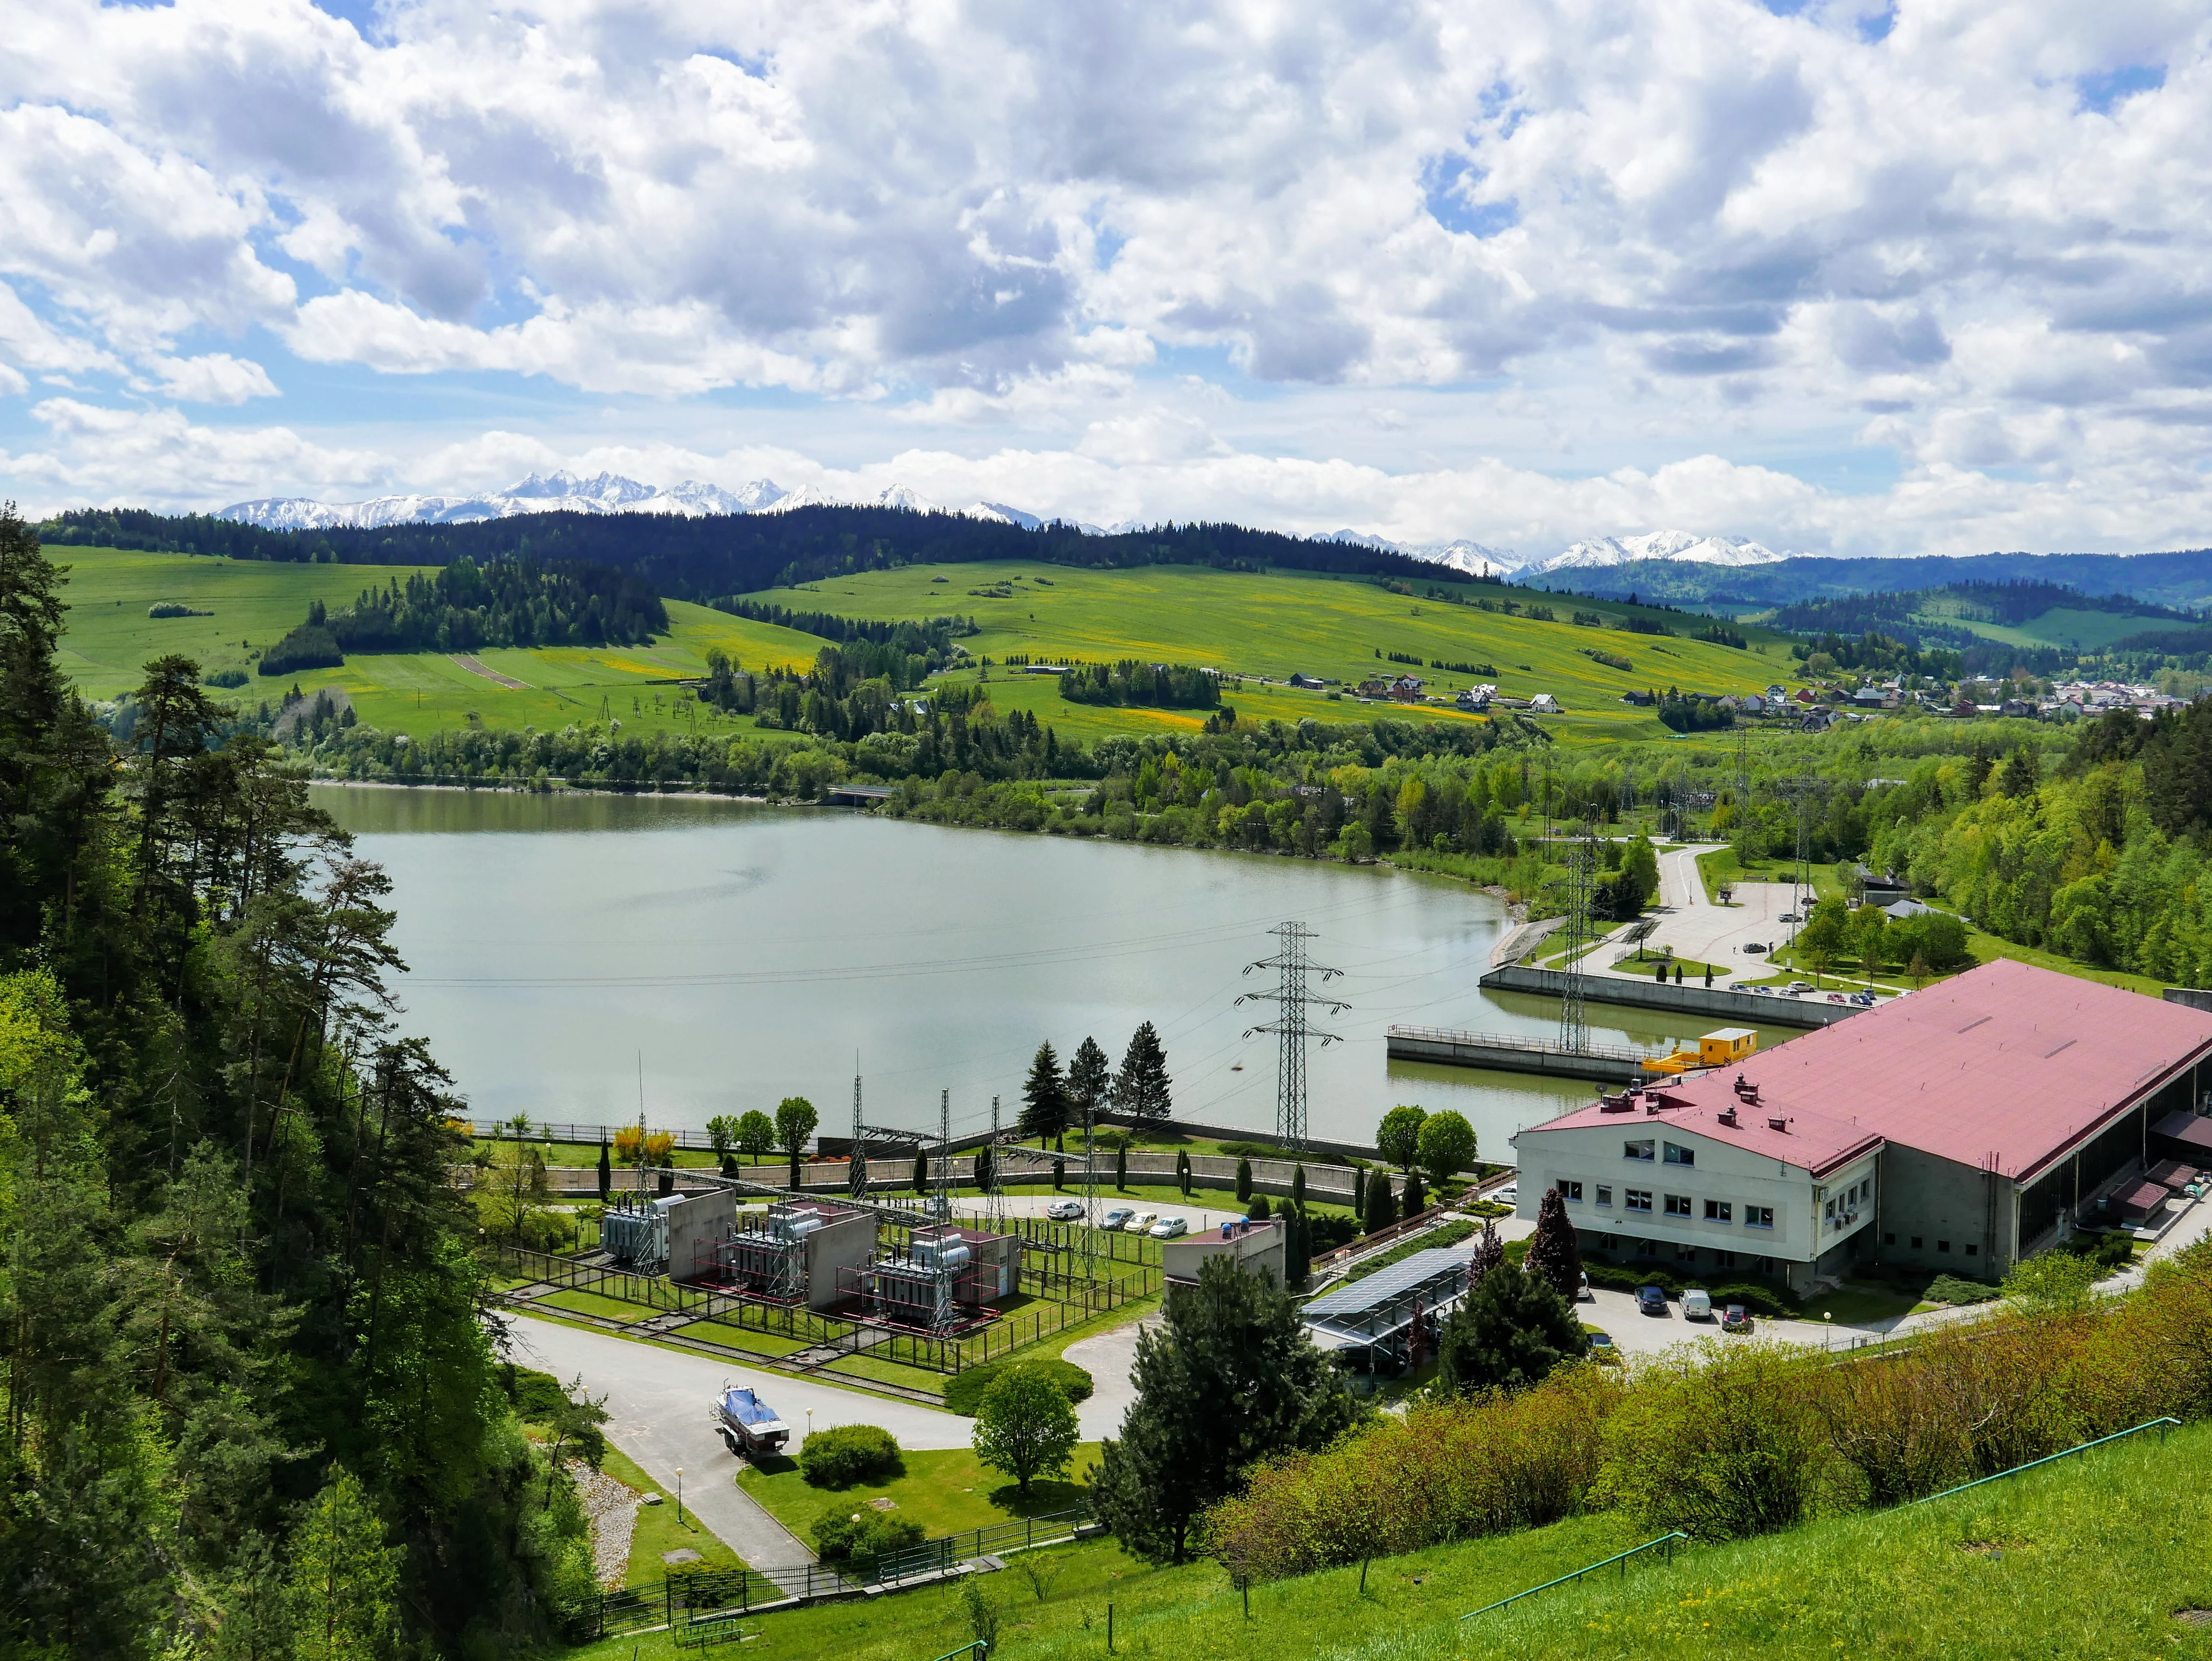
(1737, 1320)
(1652, 1300)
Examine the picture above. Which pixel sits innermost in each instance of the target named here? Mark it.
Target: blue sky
(1846, 277)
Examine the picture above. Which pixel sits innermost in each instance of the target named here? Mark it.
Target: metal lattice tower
(995, 1198)
(1291, 998)
(1801, 790)
(1743, 775)
(1574, 1013)
(941, 1200)
(857, 1171)
(1089, 1249)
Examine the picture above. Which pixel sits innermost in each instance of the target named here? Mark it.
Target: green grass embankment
(2087, 1559)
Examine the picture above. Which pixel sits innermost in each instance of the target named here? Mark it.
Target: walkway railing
(935, 1556)
(2162, 1426)
(1530, 1045)
(1665, 1542)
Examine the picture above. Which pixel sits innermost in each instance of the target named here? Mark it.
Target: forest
(254, 1400)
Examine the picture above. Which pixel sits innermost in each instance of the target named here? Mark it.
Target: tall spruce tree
(1089, 1081)
(1380, 1209)
(1228, 1379)
(1044, 1098)
(1141, 1088)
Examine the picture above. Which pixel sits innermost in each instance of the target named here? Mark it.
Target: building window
(1636, 1199)
(1759, 1216)
(1678, 1156)
(1604, 1194)
(1685, 1254)
(1726, 1259)
(1942, 1246)
(1889, 1239)
(1678, 1205)
(1972, 1250)
(1720, 1211)
(1831, 1213)
(1572, 1191)
(1915, 1242)
(1637, 1149)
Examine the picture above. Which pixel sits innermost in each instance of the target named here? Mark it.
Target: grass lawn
(2089, 1558)
(944, 1490)
(1723, 865)
(1858, 1304)
(657, 1529)
(590, 1303)
(891, 1372)
(744, 1338)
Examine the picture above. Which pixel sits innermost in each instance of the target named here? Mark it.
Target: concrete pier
(1737, 1008)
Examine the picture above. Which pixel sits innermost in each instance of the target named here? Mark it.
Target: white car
(1064, 1210)
(1168, 1228)
(1508, 1194)
(1142, 1223)
(1117, 1218)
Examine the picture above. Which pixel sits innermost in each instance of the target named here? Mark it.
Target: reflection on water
(747, 953)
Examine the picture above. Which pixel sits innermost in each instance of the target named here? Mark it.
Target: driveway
(1639, 1334)
(658, 1400)
(1702, 932)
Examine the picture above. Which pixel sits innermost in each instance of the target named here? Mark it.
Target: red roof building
(1988, 1108)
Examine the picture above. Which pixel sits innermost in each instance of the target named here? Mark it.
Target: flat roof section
(2007, 1066)
(1387, 1286)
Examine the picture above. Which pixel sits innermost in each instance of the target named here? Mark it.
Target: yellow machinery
(1723, 1048)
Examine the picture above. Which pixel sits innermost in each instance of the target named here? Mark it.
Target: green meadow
(1275, 624)
(254, 603)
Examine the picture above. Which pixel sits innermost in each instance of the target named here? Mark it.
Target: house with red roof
(1965, 1126)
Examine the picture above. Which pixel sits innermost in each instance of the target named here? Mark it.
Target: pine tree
(1381, 1210)
(1297, 1249)
(1416, 1198)
(1509, 1332)
(344, 1580)
(1090, 1080)
(1121, 1167)
(1141, 1088)
(1552, 1250)
(606, 1172)
(1059, 1173)
(921, 1174)
(1243, 1181)
(1183, 1173)
(1298, 1185)
(1044, 1097)
(985, 1171)
(1228, 1379)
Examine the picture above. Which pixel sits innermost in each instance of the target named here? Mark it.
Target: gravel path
(611, 1507)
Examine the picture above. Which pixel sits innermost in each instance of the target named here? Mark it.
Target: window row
(1638, 1200)
(1642, 1148)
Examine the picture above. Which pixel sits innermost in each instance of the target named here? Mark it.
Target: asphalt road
(659, 1401)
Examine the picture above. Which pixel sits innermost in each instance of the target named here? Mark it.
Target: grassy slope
(110, 638)
(1274, 625)
(944, 1491)
(2095, 1555)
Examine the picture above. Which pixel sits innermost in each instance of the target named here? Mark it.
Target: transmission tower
(1088, 1248)
(941, 1199)
(1574, 1014)
(995, 1197)
(1743, 775)
(1801, 790)
(1291, 999)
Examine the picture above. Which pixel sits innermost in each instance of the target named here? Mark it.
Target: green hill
(250, 605)
(2089, 1557)
(1275, 624)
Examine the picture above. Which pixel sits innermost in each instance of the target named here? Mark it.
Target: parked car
(1837, 998)
(1754, 948)
(1064, 1210)
(1508, 1194)
(1652, 1300)
(1582, 1293)
(1864, 1000)
(1790, 917)
(1736, 1318)
(1117, 1218)
(1142, 1223)
(1797, 986)
(1170, 1228)
(1697, 1304)
(1756, 991)
(1603, 1350)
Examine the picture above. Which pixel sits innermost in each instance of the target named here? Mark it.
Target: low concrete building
(1255, 1247)
(1963, 1127)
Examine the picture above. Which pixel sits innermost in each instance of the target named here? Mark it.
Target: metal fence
(935, 1556)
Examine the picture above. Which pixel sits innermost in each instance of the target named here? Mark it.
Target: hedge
(848, 1454)
(965, 1393)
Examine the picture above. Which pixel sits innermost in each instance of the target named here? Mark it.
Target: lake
(737, 955)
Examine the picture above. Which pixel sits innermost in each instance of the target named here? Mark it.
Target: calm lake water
(747, 953)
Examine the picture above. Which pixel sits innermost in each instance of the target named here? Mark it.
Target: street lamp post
(679, 1493)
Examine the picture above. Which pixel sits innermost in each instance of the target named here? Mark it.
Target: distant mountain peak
(1689, 548)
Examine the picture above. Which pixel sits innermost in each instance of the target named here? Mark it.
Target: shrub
(842, 1538)
(965, 1393)
(1330, 1231)
(848, 1454)
(1719, 1444)
(225, 678)
(1455, 1471)
(304, 647)
(173, 608)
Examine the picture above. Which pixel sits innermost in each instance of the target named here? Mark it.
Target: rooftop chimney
(1778, 1122)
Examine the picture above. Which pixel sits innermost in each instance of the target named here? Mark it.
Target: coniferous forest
(254, 1405)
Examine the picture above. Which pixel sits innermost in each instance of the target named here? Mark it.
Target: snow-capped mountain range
(610, 493)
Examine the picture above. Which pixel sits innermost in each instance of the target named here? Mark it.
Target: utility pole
(1800, 790)
(1291, 999)
(994, 1199)
(942, 1201)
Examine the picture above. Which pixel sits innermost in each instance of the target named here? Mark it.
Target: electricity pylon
(1291, 999)
(1574, 1014)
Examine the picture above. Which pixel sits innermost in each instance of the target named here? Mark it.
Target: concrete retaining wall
(1746, 1009)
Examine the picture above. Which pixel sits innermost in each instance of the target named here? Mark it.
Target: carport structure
(1379, 1314)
